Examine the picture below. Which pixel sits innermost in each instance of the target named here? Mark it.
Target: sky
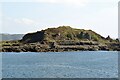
(24, 16)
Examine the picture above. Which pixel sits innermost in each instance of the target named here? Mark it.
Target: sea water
(84, 64)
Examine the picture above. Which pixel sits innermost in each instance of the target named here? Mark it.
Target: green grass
(10, 43)
(63, 33)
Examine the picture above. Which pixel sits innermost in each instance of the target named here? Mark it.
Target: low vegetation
(63, 38)
(64, 33)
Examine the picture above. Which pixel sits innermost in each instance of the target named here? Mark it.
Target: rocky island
(63, 38)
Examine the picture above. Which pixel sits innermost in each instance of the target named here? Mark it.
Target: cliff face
(62, 33)
(33, 37)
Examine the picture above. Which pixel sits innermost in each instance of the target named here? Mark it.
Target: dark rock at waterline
(54, 47)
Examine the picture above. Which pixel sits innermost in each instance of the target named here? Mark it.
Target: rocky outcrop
(62, 33)
(33, 37)
(63, 38)
(55, 47)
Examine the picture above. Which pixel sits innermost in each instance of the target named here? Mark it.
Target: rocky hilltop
(62, 33)
(63, 38)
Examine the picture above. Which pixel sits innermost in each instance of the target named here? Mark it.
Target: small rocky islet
(63, 38)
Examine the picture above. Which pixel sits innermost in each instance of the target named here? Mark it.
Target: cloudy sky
(34, 15)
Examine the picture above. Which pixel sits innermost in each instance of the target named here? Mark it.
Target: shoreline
(54, 52)
(50, 47)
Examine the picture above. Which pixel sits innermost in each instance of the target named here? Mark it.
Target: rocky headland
(63, 38)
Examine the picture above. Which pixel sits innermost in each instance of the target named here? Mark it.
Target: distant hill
(11, 37)
(63, 33)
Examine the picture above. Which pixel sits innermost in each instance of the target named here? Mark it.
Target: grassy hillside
(63, 38)
(64, 33)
